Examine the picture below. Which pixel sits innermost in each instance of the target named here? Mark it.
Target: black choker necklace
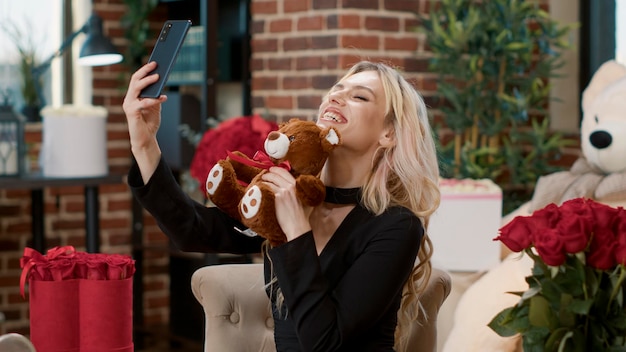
(343, 195)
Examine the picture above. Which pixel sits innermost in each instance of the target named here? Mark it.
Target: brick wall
(299, 49)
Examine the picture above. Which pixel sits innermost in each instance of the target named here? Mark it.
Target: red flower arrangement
(575, 300)
(79, 301)
(64, 263)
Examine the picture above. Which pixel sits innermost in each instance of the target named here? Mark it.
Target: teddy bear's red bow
(260, 160)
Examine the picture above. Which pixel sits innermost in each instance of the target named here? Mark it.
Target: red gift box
(79, 301)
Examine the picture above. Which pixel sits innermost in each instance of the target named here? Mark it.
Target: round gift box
(74, 141)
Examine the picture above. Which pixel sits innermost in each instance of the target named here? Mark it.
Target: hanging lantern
(11, 140)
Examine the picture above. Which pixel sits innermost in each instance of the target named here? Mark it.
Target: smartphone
(164, 53)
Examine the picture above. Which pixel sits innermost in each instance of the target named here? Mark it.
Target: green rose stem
(617, 287)
(582, 260)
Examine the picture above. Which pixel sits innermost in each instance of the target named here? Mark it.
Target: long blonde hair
(404, 174)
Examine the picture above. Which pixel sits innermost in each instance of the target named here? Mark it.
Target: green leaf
(566, 317)
(533, 339)
(531, 292)
(540, 313)
(557, 338)
(581, 307)
(508, 322)
(517, 46)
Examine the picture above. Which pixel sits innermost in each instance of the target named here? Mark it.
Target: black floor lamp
(97, 50)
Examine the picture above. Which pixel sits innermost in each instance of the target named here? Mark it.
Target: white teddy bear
(599, 174)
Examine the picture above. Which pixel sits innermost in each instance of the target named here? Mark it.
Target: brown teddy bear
(234, 184)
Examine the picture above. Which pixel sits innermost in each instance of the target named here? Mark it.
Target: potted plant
(30, 84)
(494, 60)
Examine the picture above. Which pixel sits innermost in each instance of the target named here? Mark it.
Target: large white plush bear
(599, 174)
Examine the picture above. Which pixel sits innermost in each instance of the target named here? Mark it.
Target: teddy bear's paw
(214, 179)
(251, 202)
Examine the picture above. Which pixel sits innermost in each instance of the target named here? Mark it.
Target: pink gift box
(464, 226)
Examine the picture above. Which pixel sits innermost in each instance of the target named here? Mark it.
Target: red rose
(578, 206)
(41, 271)
(546, 217)
(601, 251)
(576, 233)
(619, 224)
(80, 269)
(549, 245)
(96, 268)
(62, 269)
(620, 232)
(516, 235)
(119, 267)
(604, 215)
(620, 249)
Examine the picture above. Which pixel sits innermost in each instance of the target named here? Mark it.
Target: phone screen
(165, 51)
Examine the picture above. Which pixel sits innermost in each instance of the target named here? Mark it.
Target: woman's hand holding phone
(142, 103)
(165, 51)
(143, 116)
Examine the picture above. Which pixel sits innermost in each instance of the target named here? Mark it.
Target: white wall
(82, 78)
(620, 37)
(565, 106)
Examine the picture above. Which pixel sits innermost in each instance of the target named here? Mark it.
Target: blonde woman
(337, 284)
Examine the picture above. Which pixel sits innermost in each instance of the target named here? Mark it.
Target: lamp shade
(97, 49)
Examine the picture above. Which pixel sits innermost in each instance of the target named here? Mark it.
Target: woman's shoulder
(396, 219)
(398, 210)
(397, 228)
(400, 213)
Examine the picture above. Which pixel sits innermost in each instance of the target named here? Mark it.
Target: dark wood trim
(68, 72)
(597, 36)
(246, 54)
(209, 14)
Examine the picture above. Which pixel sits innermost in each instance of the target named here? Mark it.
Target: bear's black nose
(600, 139)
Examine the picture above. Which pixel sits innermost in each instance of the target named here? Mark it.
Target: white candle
(74, 141)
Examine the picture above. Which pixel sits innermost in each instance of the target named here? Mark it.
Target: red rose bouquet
(575, 300)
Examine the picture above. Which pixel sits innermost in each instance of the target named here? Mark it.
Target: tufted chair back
(14, 342)
(238, 317)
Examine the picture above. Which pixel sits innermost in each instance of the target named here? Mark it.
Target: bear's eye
(596, 118)
(292, 138)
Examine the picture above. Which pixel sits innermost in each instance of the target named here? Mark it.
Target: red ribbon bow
(260, 160)
(32, 258)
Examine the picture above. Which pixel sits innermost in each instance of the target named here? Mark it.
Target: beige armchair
(238, 317)
(14, 342)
